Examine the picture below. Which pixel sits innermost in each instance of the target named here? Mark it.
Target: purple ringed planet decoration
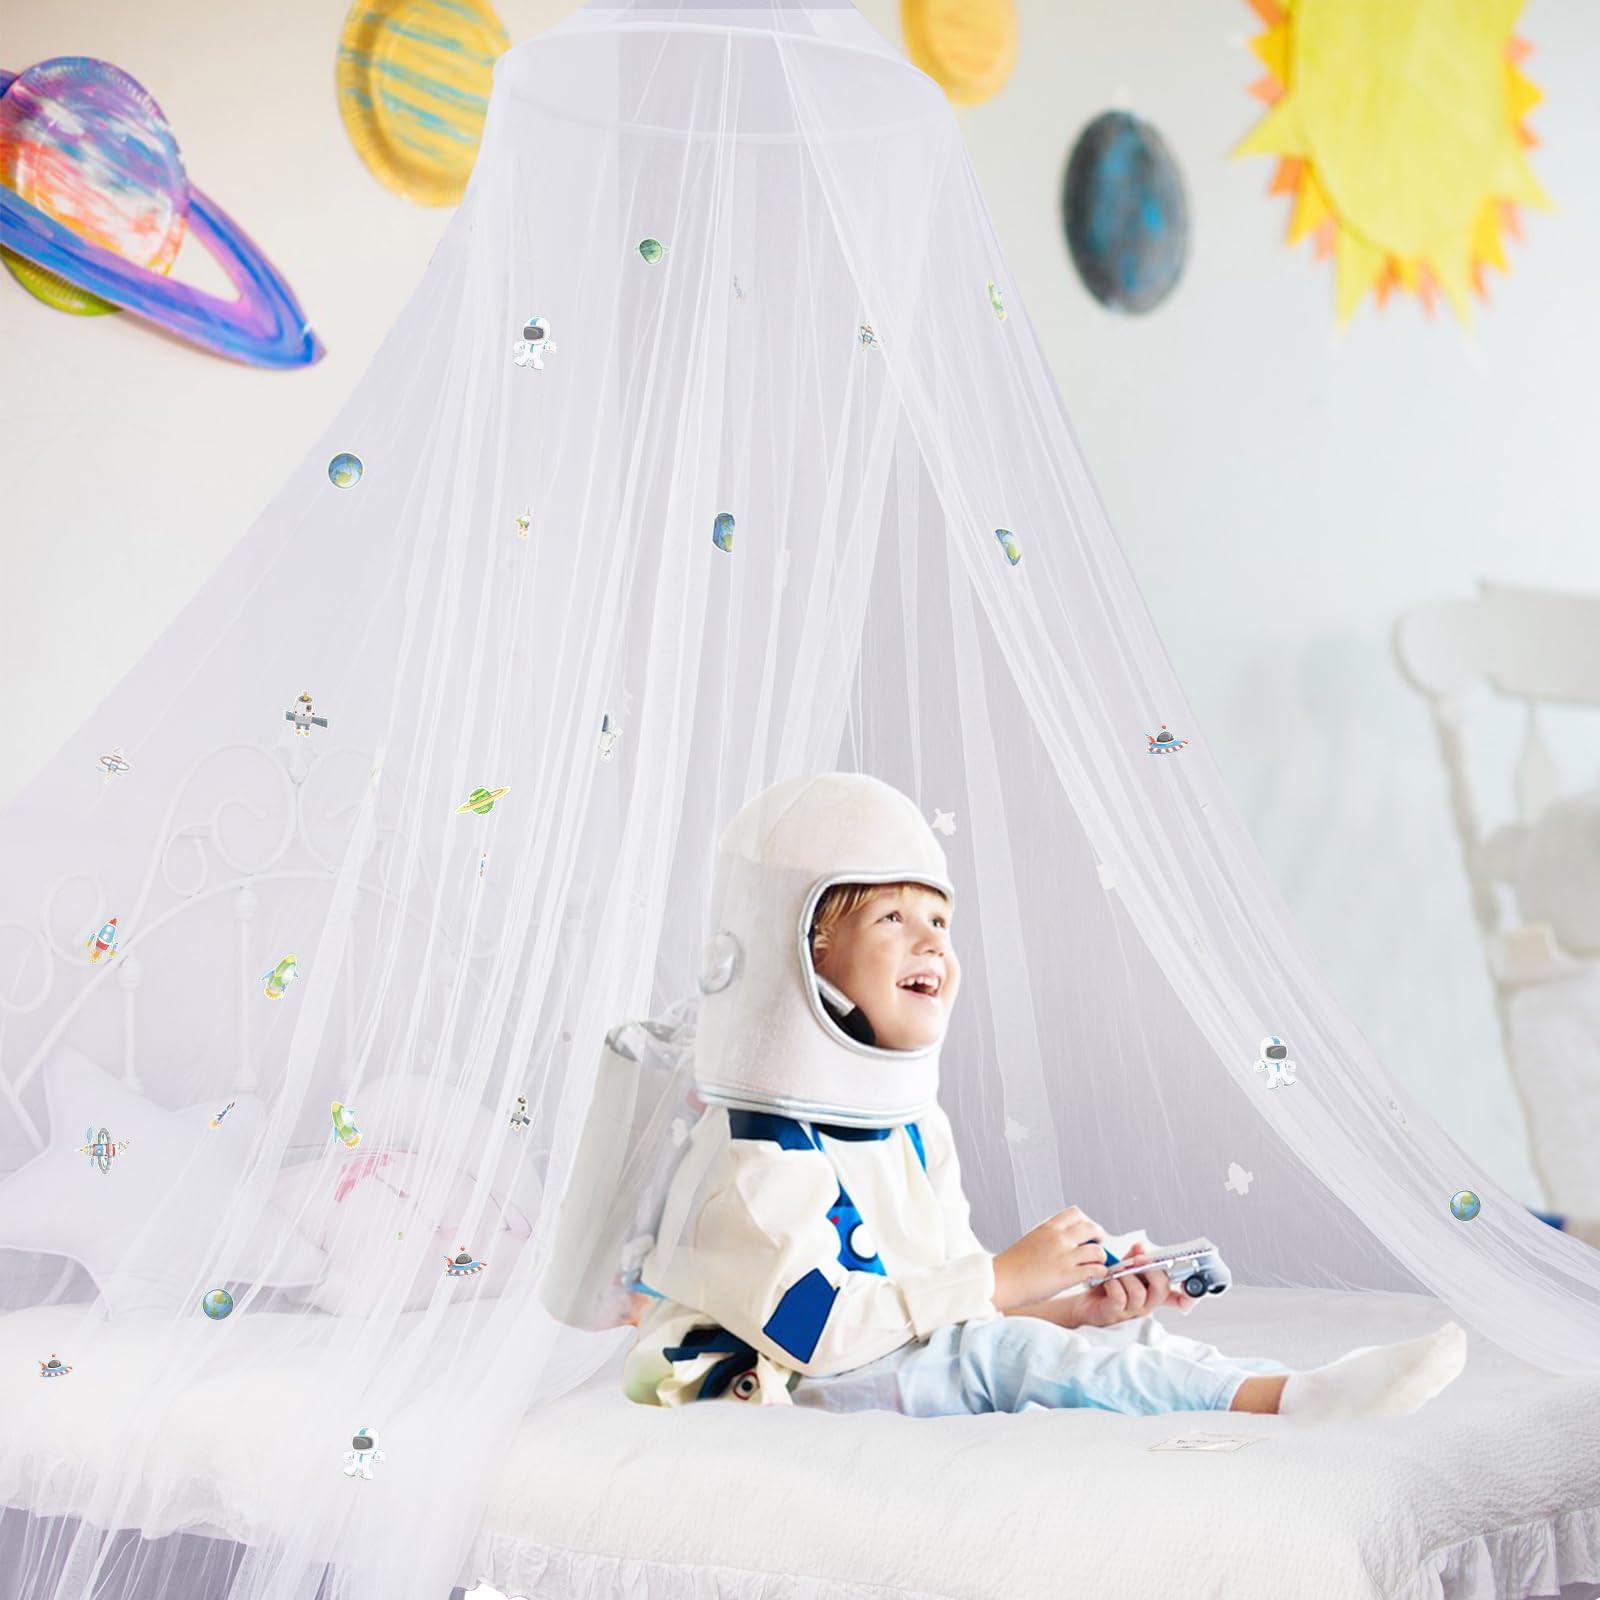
(90, 174)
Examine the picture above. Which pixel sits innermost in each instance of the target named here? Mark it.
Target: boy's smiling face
(893, 956)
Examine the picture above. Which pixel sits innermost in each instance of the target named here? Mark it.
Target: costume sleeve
(765, 1263)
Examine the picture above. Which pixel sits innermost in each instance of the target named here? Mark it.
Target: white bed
(1493, 1490)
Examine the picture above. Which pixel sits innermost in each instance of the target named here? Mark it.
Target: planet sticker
(216, 1304)
(652, 250)
(1465, 1205)
(344, 471)
(996, 304)
(722, 532)
(95, 204)
(344, 1125)
(481, 801)
(1008, 543)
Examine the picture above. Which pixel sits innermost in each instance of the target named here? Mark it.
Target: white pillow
(143, 1228)
(355, 1204)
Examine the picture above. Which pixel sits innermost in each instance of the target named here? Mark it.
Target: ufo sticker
(1163, 743)
(462, 1265)
(113, 762)
(481, 801)
(53, 1369)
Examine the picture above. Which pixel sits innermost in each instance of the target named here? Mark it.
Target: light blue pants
(1028, 1364)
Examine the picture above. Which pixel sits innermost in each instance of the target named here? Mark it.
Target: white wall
(1283, 492)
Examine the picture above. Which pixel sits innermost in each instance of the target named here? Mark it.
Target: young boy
(815, 1247)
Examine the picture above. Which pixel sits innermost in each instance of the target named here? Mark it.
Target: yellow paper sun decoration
(1398, 127)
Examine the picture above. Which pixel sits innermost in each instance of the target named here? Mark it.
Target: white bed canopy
(788, 487)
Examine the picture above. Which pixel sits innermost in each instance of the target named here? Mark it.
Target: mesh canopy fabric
(827, 348)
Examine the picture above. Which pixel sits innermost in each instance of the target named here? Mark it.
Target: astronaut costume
(814, 1247)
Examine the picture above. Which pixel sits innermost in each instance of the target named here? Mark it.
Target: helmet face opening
(838, 1013)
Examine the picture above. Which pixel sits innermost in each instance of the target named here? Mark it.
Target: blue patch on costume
(838, 1131)
(783, 1131)
(845, 1216)
(802, 1314)
(914, 1133)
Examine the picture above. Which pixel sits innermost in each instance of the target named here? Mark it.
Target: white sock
(1387, 1380)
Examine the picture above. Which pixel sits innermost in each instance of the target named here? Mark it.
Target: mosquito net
(714, 448)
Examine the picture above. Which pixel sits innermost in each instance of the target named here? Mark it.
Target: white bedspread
(1492, 1490)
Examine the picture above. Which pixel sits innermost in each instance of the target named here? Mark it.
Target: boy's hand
(1119, 1299)
(1060, 1252)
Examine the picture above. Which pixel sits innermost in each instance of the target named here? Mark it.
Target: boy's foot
(1389, 1380)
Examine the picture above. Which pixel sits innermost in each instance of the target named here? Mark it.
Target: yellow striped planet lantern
(968, 47)
(413, 78)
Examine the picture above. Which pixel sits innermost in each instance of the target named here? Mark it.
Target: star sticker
(1239, 1180)
(944, 822)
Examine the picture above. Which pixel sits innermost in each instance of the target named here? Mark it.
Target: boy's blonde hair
(844, 898)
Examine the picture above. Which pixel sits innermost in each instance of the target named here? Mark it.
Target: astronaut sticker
(1275, 1063)
(865, 337)
(363, 1451)
(609, 734)
(535, 343)
(303, 715)
(519, 1117)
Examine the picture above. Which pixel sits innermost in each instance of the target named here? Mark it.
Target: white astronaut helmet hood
(772, 1034)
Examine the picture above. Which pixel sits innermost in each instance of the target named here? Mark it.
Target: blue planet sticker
(1465, 1205)
(344, 471)
(216, 1304)
(722, 532)
(1125, 213)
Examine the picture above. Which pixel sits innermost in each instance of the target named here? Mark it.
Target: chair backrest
(1534, 645)
(1541, 647)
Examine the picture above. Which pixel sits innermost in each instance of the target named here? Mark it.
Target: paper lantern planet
(1125, 213)
(413, 79)
(216, 1304)
(968, 47)
(94, 204)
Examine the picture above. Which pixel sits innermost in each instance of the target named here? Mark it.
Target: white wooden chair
(1537, 646)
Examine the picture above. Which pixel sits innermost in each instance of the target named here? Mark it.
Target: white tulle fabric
(818, 353)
